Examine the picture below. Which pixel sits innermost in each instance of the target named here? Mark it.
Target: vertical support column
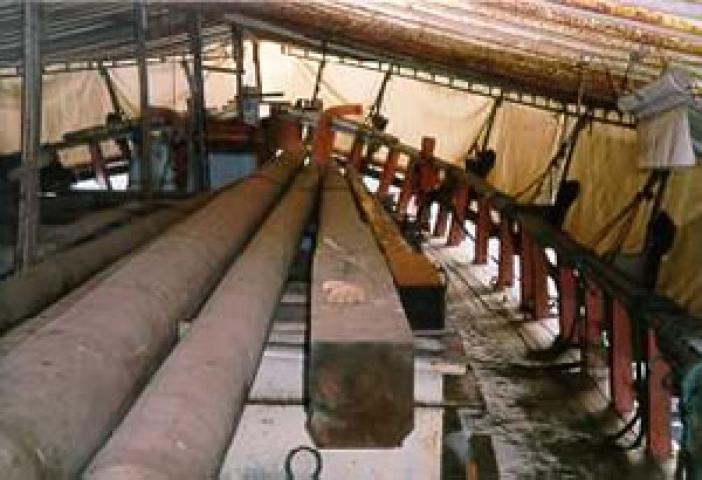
(238, 55)
(427, 182)
(505, 268)
(659, 403)
(540, 279)
(406, 189)
(526, 271)
(28, 212)
(356, 152)
(146, 182)
(458, 219)
(482, 232)
(198, 104)
(257, 66)
(98, 161)
(323, 139)
(442, 221)
(594, 319)
(621, 357)
(388, 174)
(567, 302)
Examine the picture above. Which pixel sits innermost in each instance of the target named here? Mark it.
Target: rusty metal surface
(180, 426)
(68, 385)
(360, 377)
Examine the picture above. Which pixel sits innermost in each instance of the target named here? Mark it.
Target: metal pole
(320, 72)
(140, 13)
(28, 214)
(238, 54)
(197, 96)
(257, 65)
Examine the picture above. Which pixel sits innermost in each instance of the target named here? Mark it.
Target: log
(180, 426)
(67, 386)
(360, 376)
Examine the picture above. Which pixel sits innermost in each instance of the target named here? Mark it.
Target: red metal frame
(98, 161)
(442, 221)
(356, 152)
(526, 263)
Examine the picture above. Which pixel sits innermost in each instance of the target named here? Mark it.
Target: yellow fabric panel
(524, 139)
(605, 163)
(680, 276)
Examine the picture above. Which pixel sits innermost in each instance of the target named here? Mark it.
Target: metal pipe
(28, 215)
(65, 388)
(181, 425)
(36, 287)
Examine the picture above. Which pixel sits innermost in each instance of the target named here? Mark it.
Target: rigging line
(378, 103)
(487, 125)
(320, 71)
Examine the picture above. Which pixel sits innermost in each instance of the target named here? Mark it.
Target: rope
(486, 127)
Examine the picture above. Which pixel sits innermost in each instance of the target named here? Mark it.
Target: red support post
(540, 282)
(442, 218)
(406, 189)
(505, 269)
(460, 205)
(482, 232)
(567, 302)
(388, 173)
(594, 320)
(98, 161)
(526, 262)
(356, 153)
(621, 358)
(288, 134)
(658, 431)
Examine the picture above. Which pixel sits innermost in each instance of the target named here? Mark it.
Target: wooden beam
(360, 376)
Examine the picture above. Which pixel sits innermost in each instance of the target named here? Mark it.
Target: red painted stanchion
(323, 140)
(567, 302)
(621, 358)
(594, 319)
(460, 205)
(442, 218)
(482, 232)
(406, 189)
(540, 282)
(526, 262)
(505, 268)
(98, 161)
(388, 173)
(658, 432)
(356, 153)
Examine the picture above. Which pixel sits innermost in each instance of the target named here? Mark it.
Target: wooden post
(505, 269)
(28, 209)
(406, 189)
(388, 174)
(356, 152)
(98, 161)
(540, 282)
(442, 219)
(482, 232)
(621, 357)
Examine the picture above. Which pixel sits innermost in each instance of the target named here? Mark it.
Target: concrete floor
(543, 422)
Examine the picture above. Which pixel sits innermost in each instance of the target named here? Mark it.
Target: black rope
(486, 128)
(377, 104)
